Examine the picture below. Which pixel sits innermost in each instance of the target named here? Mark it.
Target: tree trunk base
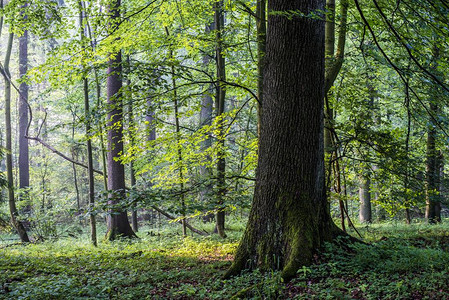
(115, 234)
(302, 255)
(119, 227)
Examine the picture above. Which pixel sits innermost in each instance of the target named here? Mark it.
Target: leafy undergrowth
(399, 263)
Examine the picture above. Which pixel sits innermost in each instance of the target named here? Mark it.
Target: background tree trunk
(261, 23)
(9, 171)
(132, 141)
(220, 108)
(432, 171)
(117, 220)
(365, 198)
(206, 112)
(433, 204)
(333, 62)
(87, 115)
(24, 161)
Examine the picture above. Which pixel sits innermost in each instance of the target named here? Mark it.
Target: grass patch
(400, 262)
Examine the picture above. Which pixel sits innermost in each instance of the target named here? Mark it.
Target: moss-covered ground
(398, 262)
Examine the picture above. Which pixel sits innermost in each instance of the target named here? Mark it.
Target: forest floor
(398, 262)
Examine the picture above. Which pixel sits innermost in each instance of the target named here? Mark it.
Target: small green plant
(403, 265)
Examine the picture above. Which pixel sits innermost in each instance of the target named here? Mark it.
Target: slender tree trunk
(44, 166)
(87, 115)
(408, 218)
(2, 164)
(24, 162)
(117, 220)
(150, 133)
(132, 132)
(206, 112)
(433, 204)
(178, 145)
(90, 165)
(365, 198)
(432, 168)
(220, 108)
(134, 215)
(102, 143)
(338, 190)
(440, 184)
(9, 171)
(261, 23)
(333, 63)
(329, 49)
(380, 211)
(75, 174)
(289, 218)
(180, 161)
(98, 98)
(335, 58)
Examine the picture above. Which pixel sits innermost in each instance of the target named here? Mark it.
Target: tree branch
(166, 214)
(52, 149)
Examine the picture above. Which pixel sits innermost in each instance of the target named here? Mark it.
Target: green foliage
(401, 263)
(157, 266)
(42, 18)
(382, 119)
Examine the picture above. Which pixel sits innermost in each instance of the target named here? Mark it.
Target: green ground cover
(398, 262)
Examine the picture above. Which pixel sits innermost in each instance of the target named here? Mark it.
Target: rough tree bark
(117, 220)
(289, 218)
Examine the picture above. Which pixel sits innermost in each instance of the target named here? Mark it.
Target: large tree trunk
(117, 221)
(9, 172)
(289, 218)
